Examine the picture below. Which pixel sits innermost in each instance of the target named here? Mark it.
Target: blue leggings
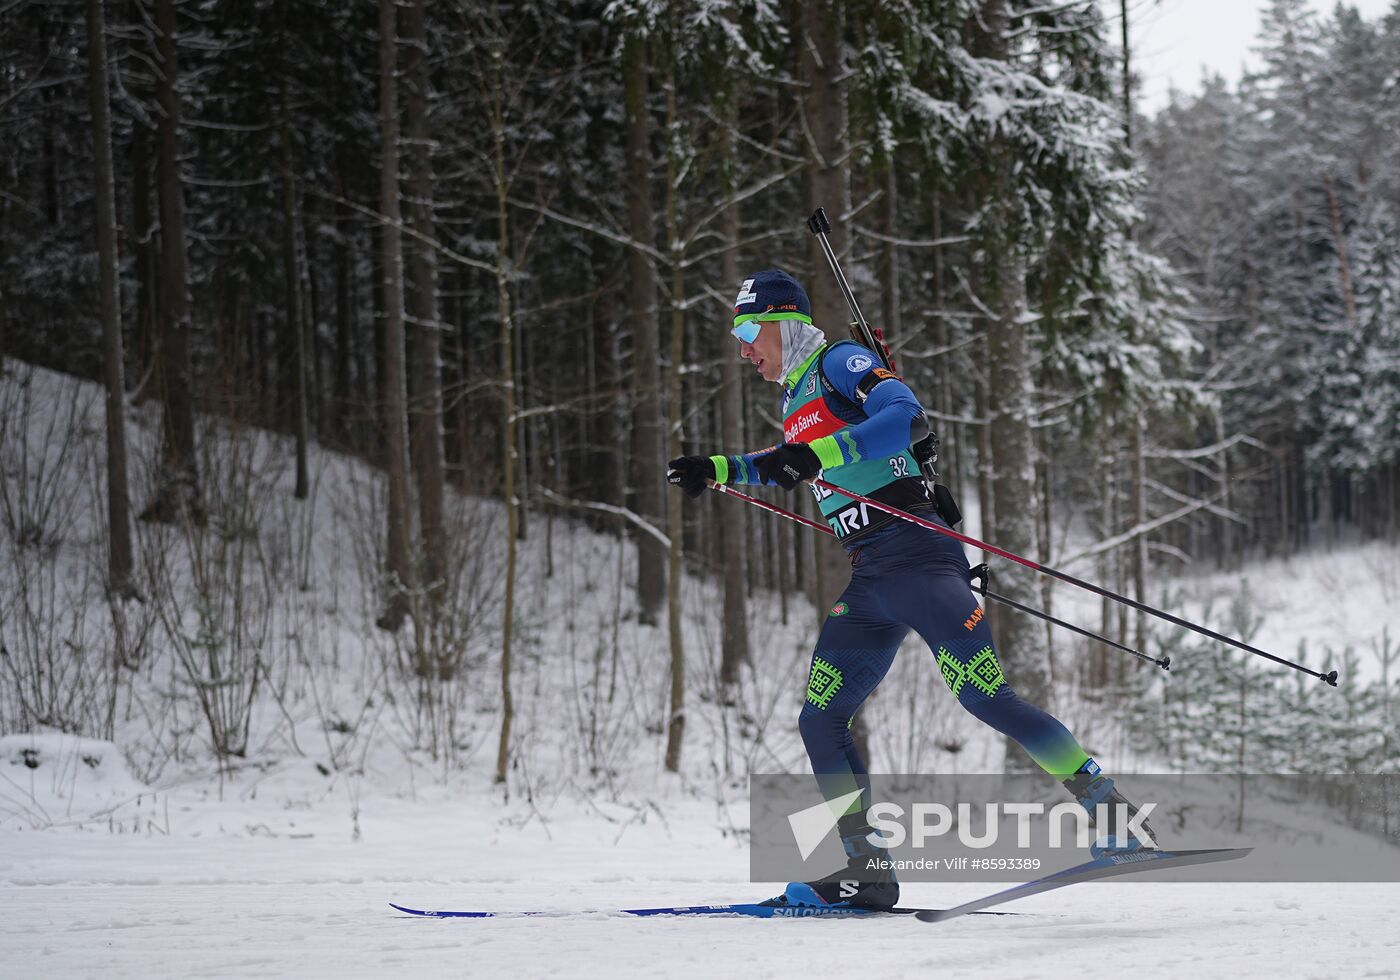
(907, 577)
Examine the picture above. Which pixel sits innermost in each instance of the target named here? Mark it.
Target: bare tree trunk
(399, 567)
(1012, 444)
(828, 169)
(1044, 531)
(293, 281)
(1014, 467)
(143, 247)
(120, 561)
(312, 345)
(347, 429)
(508, 429)
(344, 430)
(462, 413)
(952, 453)
(426, 428)
(986, 465)
(606, 445)
(1139, 559)
(822, 68)
(1127, 78)
(177, 491)
(1108, 522)
(5, 207)
(733, 526)
(648, 465)
(675, 729)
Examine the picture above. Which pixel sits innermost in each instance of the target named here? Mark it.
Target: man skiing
(852, 421)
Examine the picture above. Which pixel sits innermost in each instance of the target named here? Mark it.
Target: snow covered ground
(272, 881)
(239, 902)
(140, 857)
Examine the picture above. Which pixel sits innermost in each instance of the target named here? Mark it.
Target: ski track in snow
(97, 904)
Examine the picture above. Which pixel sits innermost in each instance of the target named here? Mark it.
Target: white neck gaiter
(800, 340)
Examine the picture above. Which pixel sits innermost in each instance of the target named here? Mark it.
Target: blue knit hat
(771, 295)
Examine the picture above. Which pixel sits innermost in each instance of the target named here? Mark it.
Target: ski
(753, 911)
(1106, 866)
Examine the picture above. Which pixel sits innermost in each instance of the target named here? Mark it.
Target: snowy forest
(344, 346)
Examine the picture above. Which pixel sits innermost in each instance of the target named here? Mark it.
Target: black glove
(690, 473)
(789, 465)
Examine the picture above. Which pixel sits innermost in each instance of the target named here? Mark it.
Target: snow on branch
(401, 225)
(1205, 450)
(1182, 498)
(1054, 8)
(738, 197)
(623, 512)
(911, 242)
(596, 229)
(1147, 527)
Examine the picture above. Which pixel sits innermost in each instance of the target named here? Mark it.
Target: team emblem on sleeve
(857, 363)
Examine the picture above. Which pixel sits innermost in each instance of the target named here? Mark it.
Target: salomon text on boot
(867, 881)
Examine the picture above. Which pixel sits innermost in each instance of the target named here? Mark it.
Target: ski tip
(437, 914)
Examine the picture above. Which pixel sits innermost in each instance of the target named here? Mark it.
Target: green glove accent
(721, 468)
(828, 451)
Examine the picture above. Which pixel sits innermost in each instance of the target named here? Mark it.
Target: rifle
(925, 450)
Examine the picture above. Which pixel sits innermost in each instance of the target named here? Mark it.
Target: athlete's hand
(790, 464)
(690, 473)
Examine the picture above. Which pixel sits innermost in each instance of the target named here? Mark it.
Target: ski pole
(1330, 676)
(985, 574)
(981, 571)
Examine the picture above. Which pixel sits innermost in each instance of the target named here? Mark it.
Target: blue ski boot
(865, 882)
(1092, 789)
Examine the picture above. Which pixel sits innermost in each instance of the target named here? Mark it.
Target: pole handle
(818, 223)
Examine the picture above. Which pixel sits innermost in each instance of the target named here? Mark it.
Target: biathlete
(852, 421)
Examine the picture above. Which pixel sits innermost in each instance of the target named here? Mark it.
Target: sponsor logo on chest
(812, 421)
